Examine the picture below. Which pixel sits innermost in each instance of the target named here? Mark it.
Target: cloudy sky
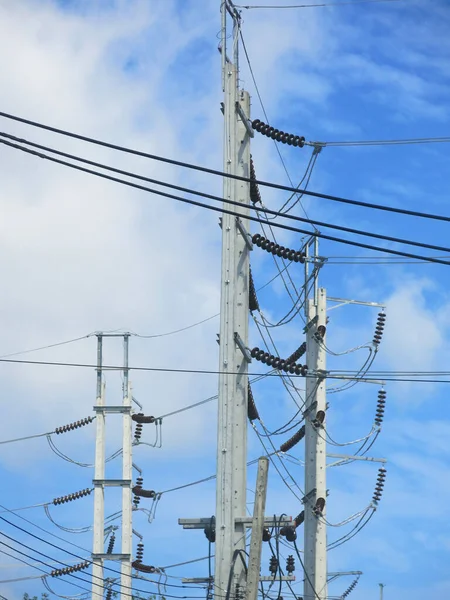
(80, 254)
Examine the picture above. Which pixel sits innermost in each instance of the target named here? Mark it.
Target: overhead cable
(221, 173)
(212, 197)
(251, 218)
(346, 3)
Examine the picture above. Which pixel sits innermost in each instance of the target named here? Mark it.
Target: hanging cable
(198, 168)
(249, 217)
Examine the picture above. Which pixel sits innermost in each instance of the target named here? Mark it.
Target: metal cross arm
(201, 523)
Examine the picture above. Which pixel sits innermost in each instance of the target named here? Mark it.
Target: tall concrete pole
(315, 544)
(127, 474)
(233, 365)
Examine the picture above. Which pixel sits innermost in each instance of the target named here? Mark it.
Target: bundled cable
(253, 303)
(69, 570)
(277, 250)
(71, 497)
(381, 404)
(75, 425)
(379, 486)
(255, 195)
(252, 411)
(277, 135)
(293, 440)
(379, 329)
(278, 363)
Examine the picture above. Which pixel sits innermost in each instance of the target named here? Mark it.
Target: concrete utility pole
(315, 542)
(100, 482)
(254, 561)
(382, 586)
(234, 355)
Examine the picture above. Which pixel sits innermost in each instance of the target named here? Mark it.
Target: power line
(256, 219)
(221, 173)
(216, 198)
(398, 142)
(267, 119)
(250, 7)
(67, 565)
(386, 375)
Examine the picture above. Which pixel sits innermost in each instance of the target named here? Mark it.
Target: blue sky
(79, 255)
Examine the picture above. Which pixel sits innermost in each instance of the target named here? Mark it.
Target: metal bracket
(112, 409)
(344, 457)
(310, 408)
(200, 523)
(105, 556)
(282, 578)
(137, 534)
(309, 495)
(245, 234)
(245, 120)
(242, 347)
(197, 580)
(311, 324)
(344, 301)
(111, 482)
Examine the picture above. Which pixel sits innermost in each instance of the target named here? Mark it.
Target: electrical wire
(249, 7)
(429, 140)
(83, 337)
(47, 532)
(251, 218)
(67, 565)
(406, 377)
(216, 172)
(267, 119)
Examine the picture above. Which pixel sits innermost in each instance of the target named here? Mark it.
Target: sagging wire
(75, 462)
(344, 352)
(376, 428)
(373, 349)
(138, 432)
(381, 478)
(271, 458)
(308, 173)
(298, 304)
(305, 571)
(151, 512)
(356, 529)
(283, 379)
(285, 267)
(360, 374)
(82, 596)
(348, 520)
